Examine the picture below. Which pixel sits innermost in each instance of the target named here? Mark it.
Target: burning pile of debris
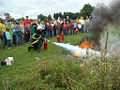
(78, 51)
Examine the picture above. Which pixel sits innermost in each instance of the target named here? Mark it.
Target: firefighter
(37, 41)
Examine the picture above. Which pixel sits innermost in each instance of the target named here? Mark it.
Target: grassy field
(57, 69)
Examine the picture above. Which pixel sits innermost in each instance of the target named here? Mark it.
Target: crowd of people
(22, 31)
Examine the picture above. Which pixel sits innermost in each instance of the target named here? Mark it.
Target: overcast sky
(21, 8)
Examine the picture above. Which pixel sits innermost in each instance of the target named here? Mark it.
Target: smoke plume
(105, 18)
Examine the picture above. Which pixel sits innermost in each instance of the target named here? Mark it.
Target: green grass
(57, 69)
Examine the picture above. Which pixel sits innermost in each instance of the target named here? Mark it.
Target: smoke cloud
(105, 18)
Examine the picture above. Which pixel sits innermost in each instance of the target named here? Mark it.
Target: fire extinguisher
(62, 34)
(45, 44)
(58, 38)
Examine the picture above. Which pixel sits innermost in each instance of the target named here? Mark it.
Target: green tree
(50, 17)
(22, 18)
(86, 10)
(42, 17)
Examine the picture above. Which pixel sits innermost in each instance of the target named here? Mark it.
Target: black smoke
(104, 16)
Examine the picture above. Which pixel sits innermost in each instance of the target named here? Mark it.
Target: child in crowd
(27, 32)
(48, 27)
(52, 25)
(43, 29)
(65, 27)
(68, 29)
(8, 37)
(58, 28)
(79, 26)
(39, 28)
(34, 26)
(71, 27)
(74, 26)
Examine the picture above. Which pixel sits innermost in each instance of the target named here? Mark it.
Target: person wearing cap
(36, 42)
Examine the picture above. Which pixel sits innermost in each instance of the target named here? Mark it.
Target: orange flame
(91, 44)
(85, 44)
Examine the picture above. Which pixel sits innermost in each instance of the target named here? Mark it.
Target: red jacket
(65, 26)
(71, 25)
(25, 22)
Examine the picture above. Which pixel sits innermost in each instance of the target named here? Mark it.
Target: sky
(32, 8)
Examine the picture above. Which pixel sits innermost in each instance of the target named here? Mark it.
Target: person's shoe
(29, 48)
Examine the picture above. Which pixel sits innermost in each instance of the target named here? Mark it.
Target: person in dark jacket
(36, 42)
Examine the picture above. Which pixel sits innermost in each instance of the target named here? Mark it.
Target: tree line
(85, 11)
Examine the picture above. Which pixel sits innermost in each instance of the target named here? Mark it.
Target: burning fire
(76, 53)
(84, 45)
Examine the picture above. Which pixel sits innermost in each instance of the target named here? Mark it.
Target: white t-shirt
(79, 26)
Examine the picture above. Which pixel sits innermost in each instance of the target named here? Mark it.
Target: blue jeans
(71, 30)
(2, 41)
(16, 38)
(54, 31)
(27, 36)
(9, 43)
(64, 31)
(48, 34)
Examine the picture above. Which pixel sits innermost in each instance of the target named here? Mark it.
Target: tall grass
(57, 69)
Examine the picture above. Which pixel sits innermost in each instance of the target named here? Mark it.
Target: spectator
(39, 21)
(27, 32)
(26, 21)
(22, 32)
(65, 27)
(4, 31)
(79, 26)
(34, 25)
(59, 20)
(68, 27)
(87, 20)
(8, 38)
(82, 21)
(71, 27)
(48, 27)
(59, 28)
(54, 26)
(2, 35)
(15, 30)
(27, 25)
(47, 21)
(74, 26)
(43, 28)
(67, 19)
